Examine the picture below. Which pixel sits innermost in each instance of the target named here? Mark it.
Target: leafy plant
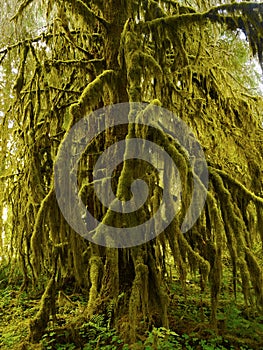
(99, 334)
(162, 338)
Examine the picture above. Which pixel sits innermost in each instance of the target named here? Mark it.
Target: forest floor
(189, 314)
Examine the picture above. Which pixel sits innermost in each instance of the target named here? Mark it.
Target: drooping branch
(241, 188)
(240, 250)
(92, 93)
(87, 13)
(21, 8)
(20, 77)
(44, 37)
(79, 62)
(245, 16)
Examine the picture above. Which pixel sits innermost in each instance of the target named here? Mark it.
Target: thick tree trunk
(132, 272)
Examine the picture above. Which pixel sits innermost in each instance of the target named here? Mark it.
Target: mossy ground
(239, 327)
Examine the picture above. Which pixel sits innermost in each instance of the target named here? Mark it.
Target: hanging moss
(19, 83)
(172, 56)
(87, 14)
(215, 275)
(256, 276)
(37, 236)
(237, 244)
(95, 276)
(91, 95)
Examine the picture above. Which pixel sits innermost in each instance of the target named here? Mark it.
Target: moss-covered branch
(240, 250)
(92, 93)
(21, 9)
(241, 188)
(215, 14)
(88, 15)
(20, 77)
(245, 16)
(37, 236)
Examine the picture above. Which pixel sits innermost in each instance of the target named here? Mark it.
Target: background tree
(94, 53)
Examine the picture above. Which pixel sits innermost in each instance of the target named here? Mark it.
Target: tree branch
(237, 184)
(86, 12)
(24, 4)
(246, 16)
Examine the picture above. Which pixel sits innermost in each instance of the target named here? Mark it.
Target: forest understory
(189, 314)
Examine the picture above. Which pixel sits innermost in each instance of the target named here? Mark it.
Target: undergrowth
(189, 317)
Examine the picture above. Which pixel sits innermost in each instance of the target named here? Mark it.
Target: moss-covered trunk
(127, 279)
(98, 53)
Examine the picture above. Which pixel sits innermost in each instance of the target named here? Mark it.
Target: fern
(97, 319)
(94, 327)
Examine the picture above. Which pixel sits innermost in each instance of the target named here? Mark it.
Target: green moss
(94, 275)
(91, 95)
(37, 236)
(47, 307)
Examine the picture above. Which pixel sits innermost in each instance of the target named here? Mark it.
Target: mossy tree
(94, 53)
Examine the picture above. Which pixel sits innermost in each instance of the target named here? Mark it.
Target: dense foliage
(193, 59)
